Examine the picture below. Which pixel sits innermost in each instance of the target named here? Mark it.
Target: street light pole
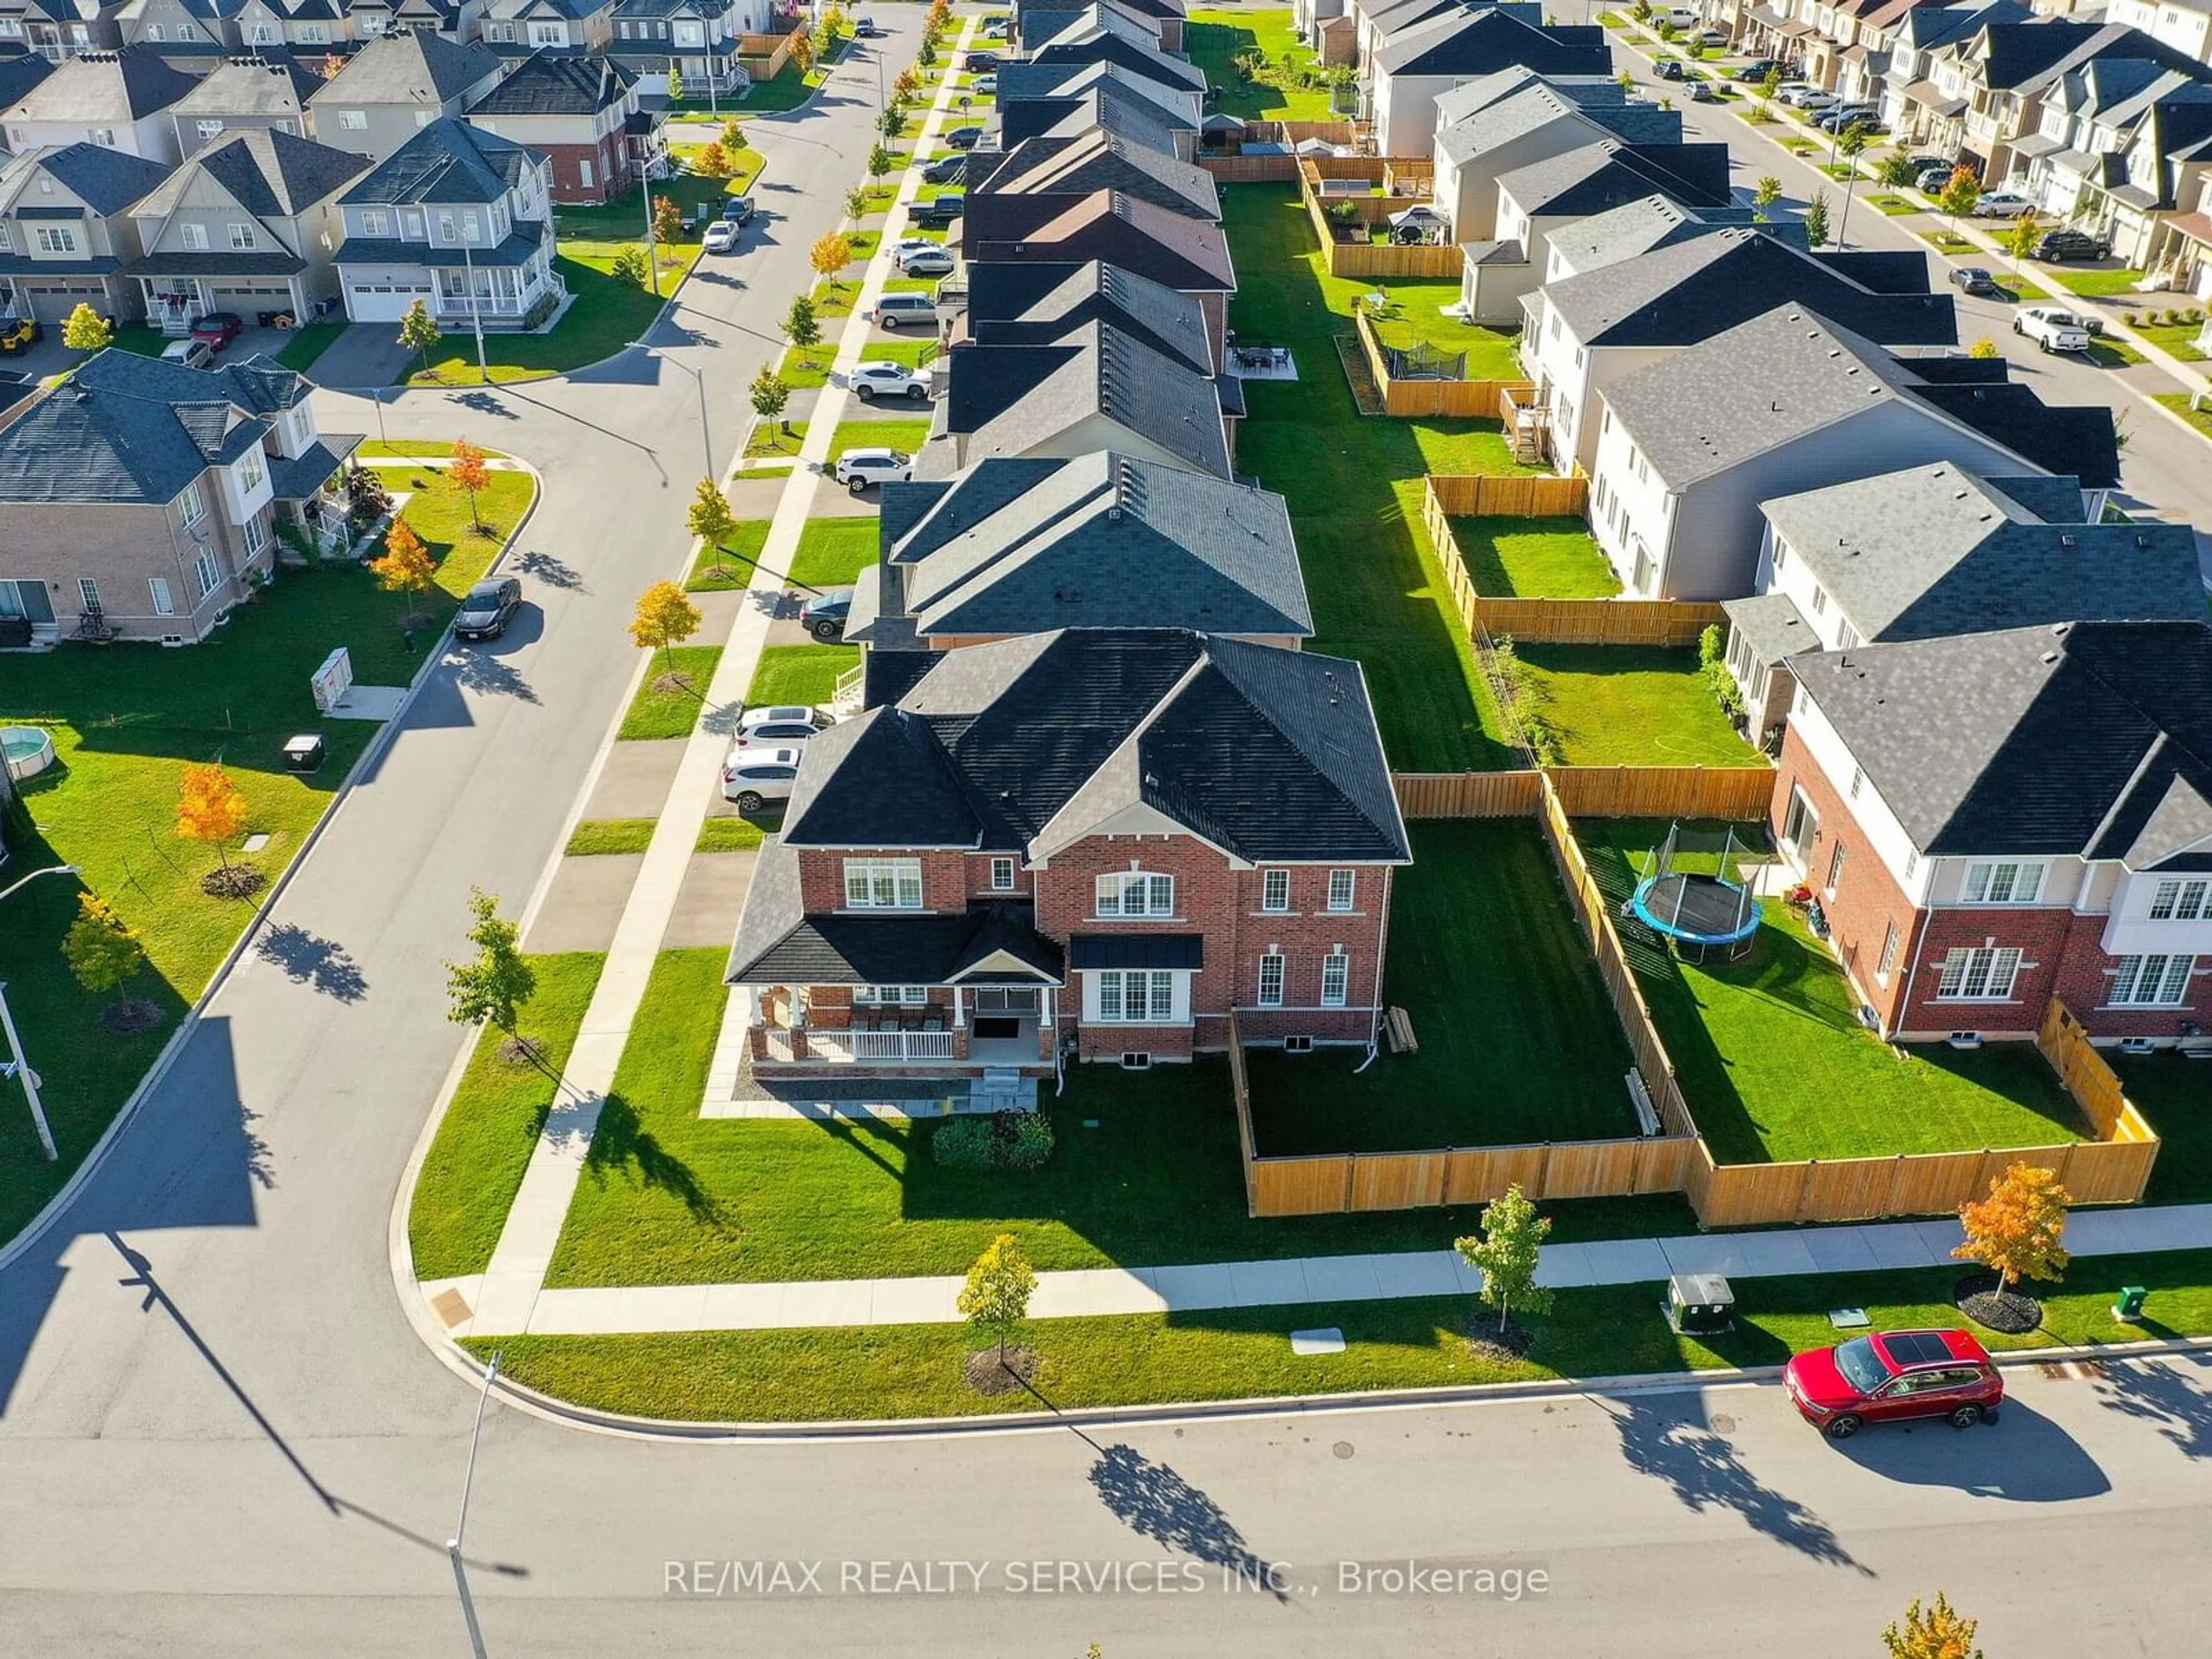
(705, 438)
(460, 1525)
(475, 314)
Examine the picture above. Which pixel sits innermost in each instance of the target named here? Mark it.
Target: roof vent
(2068, 541)
(1113, 515)
(1005, 797)
(2050, 656)
(2061, 628)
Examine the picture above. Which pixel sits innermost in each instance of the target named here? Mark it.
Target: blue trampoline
(1695, 911)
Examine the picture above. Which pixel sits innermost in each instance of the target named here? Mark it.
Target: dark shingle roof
(105, 181)
(448, 161)
(271, 174)
(2086, 738)
(1599, 177)
(546, 84)
(1026, 745)
(1015, 301)
(1477, 42)
(1188, 255)
(19, 74)
(1099, 161)
(1077, 44)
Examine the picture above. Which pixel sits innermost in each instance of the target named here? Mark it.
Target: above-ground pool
(27, 750)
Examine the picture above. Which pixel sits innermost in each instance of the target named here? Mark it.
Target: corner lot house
(582, 114)
(141, 497)
(459, 218)
(1994, 819)
(1098, 839)
(66, 233)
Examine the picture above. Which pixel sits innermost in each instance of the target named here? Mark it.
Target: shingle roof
(1462, 42)
(547, 84)
(1101, 541)
(250, 86)
(1601, 176)
(1164, 100)
(105, 181)
(1080, 45)
(19, 74)
(1188, 255)
(1267, 753)
(448, 161)
(2086, 738)
(271, 174)
(1013, 302)
(1538, 104)
(408, 66)
(518, 247)
(1009, 399)
(1643, 226)
(1099, 161)
(104, 86)
(1934, 550)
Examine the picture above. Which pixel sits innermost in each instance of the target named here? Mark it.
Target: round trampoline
(1695, 910)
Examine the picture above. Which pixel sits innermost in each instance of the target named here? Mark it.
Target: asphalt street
(218, 1433)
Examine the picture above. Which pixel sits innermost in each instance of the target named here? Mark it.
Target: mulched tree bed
(235, 881)
(1504, 1344)
(990, 1378)
(130, 1015)
(674, 682)
(1983, 1299)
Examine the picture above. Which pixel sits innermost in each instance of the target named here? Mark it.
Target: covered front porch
(271, 292)
(952, 1026)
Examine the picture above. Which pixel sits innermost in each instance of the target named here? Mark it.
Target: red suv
(218, 328)
(1875, 1378)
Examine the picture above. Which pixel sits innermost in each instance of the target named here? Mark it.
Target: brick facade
(611, 170)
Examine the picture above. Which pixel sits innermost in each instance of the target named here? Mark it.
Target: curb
(1632, 1385)
(33, 1229)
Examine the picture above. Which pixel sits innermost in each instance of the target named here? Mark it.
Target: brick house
(1990, 820)
(1093, 843)
(141, 497)
(580, 113)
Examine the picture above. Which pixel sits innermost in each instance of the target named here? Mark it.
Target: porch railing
(847, 1046)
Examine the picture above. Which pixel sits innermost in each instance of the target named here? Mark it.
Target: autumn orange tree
(664, 618)
(1937, 1632)
(667, 219)
(469, 473)
(831, 252)
(2018, 1230)
(712, 162)
(210, 809)
(405, 567)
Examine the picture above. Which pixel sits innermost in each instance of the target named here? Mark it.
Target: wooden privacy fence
(1389, 259)
(764, 55)
(1590, 792)
(1335, 1183)
(1500, 495)
(1545, 622)
(1408, 399)
(1280, 169)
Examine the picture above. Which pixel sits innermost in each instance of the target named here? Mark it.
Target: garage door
(248, 299)
(383, 302)
(52, 302)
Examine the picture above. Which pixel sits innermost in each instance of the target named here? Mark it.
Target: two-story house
(244, 95)
(313, 28)
(57, 29)
(517, 29)
(1510, 119)
(461, 219)
(66, 233)
(1097, 161)
(1933, 551)
(701, 37)
(2184, 25)
(1991, 820)
(1410, 70)
(1039, 98)
(581, 113)
(116, 100)
(1010, 301)
(1040, 19)
(1102, 35)
(141, 497)
(1095, 842)
(397, 85)
(182, 30)
(1918, 112)
(19, 73)
(1790, 401)
(250, 225)
(2124, 144)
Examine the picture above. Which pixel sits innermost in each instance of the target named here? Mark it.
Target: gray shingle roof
(2088, 739)
(106, 180)
(250, 86)
(1772, 624)
(1101, 541)
(1010, 399)
(1599, 177)
(271, 174)
(519, 246)
(1934, 550)
(1477, 42)
(1188, 255)
(104, 86)
(446, 162)
(1079, 45)
(1266, 752)
(408, 67)
(1100, 161)
(1634, 228)
(1013, 302)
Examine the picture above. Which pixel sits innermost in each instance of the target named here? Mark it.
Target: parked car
(965, 138)
(859, 468)
(871, 381)
(1807, 97)
(906, 244)
(484, 613)
(721, 237)
(823, 615)
(1932, 180)
(20, 334)
(218, 328)
(867, 28)
(947, 169)
(1759, 68)
(975, 61)
(1863, 116)
(940, 212)
(1711, 40)
(192, 354)
(896, 311)
(2056, 246)
(1972, 279)
(738, 211)
(1882, 1377)
(1670, 69)
(1700, 92)
(754, 777)
(1680, 17)
(780, 725)
(2003, 204)
(987, 86)
(997, 27)
(926, 262)
(2052, 327)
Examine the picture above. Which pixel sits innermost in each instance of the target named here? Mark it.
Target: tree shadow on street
(2162, 1393)
(306, 959)
(1155, 1502)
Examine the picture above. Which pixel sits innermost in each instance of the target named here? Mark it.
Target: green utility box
(2128, 1308)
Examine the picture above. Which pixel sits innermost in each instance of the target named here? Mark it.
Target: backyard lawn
(1617, 705)
(1413, 314)
(1553, 558)
(670, 1198)
(833, 551)
(800, 673)
(667, 705)
(475, 1164)
(1353, 485)
(2176, 1095)
(1212, 41)
(1776, 1066)
(915, 1371)
(1518, 1042)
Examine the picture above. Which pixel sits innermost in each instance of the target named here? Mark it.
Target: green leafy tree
(1505, 1253)
(1936, 1632)
(995, 1300)
(891, 121)
(1852, 140)
(1769, 84)
(881, 161)
(1959, 196)
(802, 325)
(734, 135)
(1764, 195)
(770, 396)
(675, 82)
(419, 331)
(101, 950)
(86, 330)
(710, 518)
(1816, 219)
(632, 266)
(1896, 171)
(2018, 1231)
(490, 988)
(856, 201)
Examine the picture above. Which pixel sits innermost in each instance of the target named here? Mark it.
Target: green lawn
(608, 314)
(896, 432)
(833, 551)
(672, 710)
(594, 836)
(731, 835)
(1518, 1042)
(2176, 1096)
(693, 189)
(804, 368)
(1617, 705)
(2118, 283)
(776, 438)
(669, 1198)
(914, 1370)
(475, 1164)
(1894, 206)
(2177, 404)
(800, 673)
(1353, 485)
(442, 516)
(309, 341)
(728, 567)
(1415, 316)
(1212, 40)
(1776, 1066)
(2177, 339)
(1555, 558)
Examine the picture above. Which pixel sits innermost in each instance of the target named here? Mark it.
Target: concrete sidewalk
(1299, 1280)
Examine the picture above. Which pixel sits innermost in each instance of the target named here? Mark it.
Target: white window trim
(867, 875)
(1336, 964)
(1272, 959)
(1002, 867)
(2170, 977)
(890, 996)
(1172, 982)
(1111, 894)
(1959, 965)
(1349, 880)
(1982, 876)
(1269, 880)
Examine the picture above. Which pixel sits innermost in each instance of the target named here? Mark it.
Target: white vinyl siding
(883, 884)
(1135, 893)
(1983, 974)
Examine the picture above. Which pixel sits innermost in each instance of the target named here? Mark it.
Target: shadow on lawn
(623, 1148)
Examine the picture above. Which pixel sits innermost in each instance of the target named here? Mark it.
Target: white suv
(859, 468)
(871, 381)
(754, 777)
(2052, 327)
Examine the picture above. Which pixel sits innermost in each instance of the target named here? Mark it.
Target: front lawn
(2118, 282)
(902, 433)
(667, 705)
(309, 341)
(1626, 705)
(1611, 1330)
(2176, 339)
(474, 1167)
(1353, 485)
(775, 438)
(693, 188)
(727, 567)
(1553, 558)
(1518, 1040)
(732, 834)
(608, 314)
(2198, 420)
(800, 673)
(805, 368)
(595, 838)
(441, 515)
(832, 552)
(1776, 1066)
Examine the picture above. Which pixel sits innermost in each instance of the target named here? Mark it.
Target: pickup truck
(2052, 328)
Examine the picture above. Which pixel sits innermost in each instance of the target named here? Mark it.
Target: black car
(1759, 69)
(1669, 69)
(2056, 247)
(738, 210)
(824, 615)
(976, 61)
(947, 169)
(939, 212)
(965, 138)
(1972, 279)
(490, 604)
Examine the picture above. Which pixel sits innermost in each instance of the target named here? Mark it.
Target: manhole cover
(1341, 1449)
(1723, 1424)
